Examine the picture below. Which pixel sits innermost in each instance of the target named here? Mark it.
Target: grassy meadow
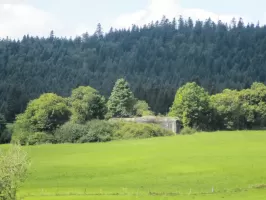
(204, 166)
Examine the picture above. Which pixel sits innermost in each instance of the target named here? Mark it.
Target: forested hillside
(155, 59)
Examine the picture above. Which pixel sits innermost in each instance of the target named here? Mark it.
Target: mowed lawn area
(204, 166)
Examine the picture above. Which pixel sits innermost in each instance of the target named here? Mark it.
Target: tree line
(228, 110)
(83, 116)
(156, 59)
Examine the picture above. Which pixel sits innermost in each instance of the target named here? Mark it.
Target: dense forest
(156, 59)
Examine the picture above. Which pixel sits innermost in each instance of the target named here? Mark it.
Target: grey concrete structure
(169, 123)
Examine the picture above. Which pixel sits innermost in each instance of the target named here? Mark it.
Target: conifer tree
(121, 102)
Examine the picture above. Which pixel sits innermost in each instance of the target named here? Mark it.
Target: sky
(74, 17)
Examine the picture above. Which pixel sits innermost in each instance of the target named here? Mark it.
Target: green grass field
(205, 166)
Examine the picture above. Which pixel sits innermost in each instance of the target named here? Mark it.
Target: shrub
(188, 131)
(40, 138)
(20, 136)
(23, 137)
(127, 130)
(70, 133)
(13, 170)
(98, 131)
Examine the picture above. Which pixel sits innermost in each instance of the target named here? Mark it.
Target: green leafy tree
(86, 104)
(191, 106)
(142, 109)
(227, 109)
(121, 102)
(253, 102)
(46, 113)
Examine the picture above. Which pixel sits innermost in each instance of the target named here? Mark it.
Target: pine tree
(121, 102)
(99, 31)
(156, 59)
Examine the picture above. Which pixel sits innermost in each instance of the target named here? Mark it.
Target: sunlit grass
(230, 165)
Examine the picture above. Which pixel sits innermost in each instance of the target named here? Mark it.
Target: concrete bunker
(169, 123)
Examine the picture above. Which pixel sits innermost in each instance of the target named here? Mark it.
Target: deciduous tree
(87, 104)
(191, 106)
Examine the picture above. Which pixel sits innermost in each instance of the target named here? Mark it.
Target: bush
(70, 133)
(93, 131)
(188, 131)
(20, 136)
(127, 130)
(98, 131)
(29, 138)
(14, 165)
(40, 138)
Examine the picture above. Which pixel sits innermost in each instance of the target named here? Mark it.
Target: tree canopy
(141, 108)
(191, 106)
(228, 110)
(44, 114)
(156, 59)
(87, 104)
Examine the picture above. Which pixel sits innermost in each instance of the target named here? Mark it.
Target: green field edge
(151, 193)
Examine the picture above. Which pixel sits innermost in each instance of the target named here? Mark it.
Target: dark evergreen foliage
(155, 59)
(5, 133)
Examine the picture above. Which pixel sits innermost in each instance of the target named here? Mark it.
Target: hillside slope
(156, 59)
